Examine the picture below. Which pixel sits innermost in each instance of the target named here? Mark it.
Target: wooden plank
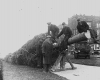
(57, 61)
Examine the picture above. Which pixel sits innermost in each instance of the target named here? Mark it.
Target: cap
(49, 23)
(63, 23)
(78, 19)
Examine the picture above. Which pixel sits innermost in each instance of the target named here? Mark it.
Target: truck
(82, 49)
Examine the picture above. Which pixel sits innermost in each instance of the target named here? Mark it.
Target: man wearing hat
(64, 45)
(67, 32)
(52, 29)
(82, 26)
(47, 49)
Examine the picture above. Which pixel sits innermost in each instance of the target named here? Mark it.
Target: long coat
(47, 48)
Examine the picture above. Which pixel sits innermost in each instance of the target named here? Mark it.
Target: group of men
(46, 47)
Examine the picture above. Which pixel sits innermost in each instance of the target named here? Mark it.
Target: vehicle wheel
(75, 56)
(86, 57)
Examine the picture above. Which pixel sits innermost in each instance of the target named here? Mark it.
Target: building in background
(93, 22)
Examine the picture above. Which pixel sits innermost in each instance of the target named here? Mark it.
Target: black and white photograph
(49, 40)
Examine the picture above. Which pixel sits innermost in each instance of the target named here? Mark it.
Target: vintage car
(82, 49)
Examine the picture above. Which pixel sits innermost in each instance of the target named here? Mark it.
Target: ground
(18, 72)
(83, 72)
(89, 71)
(93, 61)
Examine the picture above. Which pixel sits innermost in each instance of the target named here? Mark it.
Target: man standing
(52, 29)
(64, 45)
(47, 48)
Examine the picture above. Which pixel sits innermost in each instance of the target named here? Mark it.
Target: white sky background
(21, 20)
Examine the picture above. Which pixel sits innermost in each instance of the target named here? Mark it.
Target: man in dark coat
(67, 33)
(52, 29)
(64, 45)
(39, 54)
(82, 26)
(47, 48)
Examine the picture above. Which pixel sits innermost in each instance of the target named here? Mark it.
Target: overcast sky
(20, 20)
